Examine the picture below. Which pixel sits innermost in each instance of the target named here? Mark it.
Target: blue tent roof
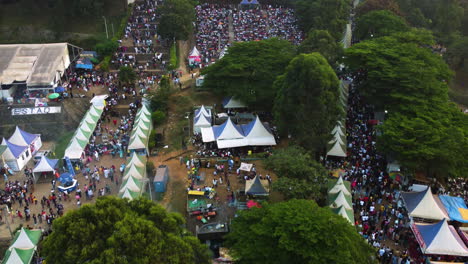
(65, 178)
(207, 118)
(428, 232)
(217, 130)
(59, 89)
(257, 188)
(52, 162)
(15, 149)
(254, 2)
(452, 204)
(248, 127)
(412, 199)
(28, 137)
(227, 99)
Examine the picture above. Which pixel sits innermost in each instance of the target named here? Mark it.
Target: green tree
(121, 231)
(457, 54)
(374, 5)
(158, 117)
(378, 24)
(249, 70)
(307, 101)
(127, 75)
(296, 231)
(433, 140)
(299, 175)
(106, 48)
(398, 72)
(176, 20)
(331, 15)
(321, 41)
(160, 97)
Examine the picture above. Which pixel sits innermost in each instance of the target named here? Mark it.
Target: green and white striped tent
(18, 256)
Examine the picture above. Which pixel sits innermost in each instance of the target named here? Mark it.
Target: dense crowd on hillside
(248, 25)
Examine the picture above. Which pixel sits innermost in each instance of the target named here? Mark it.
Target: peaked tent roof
(143, 118)
(339, 185)
(255, 187)
(202, 120)
(14, 149)
(231, 102)
(337, 150)
(440, 239)
(340, 199)
(134, 171)
(423, 205)
(137, 142)
(22, 138)
(208, 134)
(194, 52)
(18, 256)
(26, 239)
(137, 160)
(127, 193)
(257, 134)
(202, 111)
(346, 213)
(132, 184)
(45, 165)
(227, 131)
(338, 129)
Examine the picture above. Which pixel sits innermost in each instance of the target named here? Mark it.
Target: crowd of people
(213, 34)
(212, 31)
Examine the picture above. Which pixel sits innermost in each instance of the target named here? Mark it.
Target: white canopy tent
(132, 184)
(23, 138)
(200, 122)
(439, 239)
(135, 172)
(232, 102)
(424, 205)
(339, 187)
(341, 200)
(99, 100)
(44, 165)
(258, 135)
(137, 160)
(337, 150)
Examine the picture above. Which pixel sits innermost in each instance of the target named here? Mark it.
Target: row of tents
(202, 118)
(83, 133)
(135, 177)
(229, 135)
(437, 238)
(340, 199)
(140, 135)
(23, 247)
(337, 145)
(19, 148)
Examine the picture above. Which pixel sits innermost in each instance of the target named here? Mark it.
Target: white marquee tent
(424, 205)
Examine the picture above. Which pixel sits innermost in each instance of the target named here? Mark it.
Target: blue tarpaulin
(84, 63)
(59, 89)
(452, 204)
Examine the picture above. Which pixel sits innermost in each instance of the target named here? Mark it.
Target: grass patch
(177, 135)
(62, 144)
(174, 58)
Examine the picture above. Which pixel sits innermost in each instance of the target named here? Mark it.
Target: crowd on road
(247, 25)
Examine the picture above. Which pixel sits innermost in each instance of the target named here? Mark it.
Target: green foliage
(158, 117)
(152, 141)
(457, 54)
(299, 175)
(127, 75)
(306, 104)
(399, 74)
(434, 140)
(176, 19)
(374, 5)
(249, 70)
(331, 15)
(160, 97)
(378, 24)
(321, 41)
(121, 231)
(106, 48)
(174, 59)
(296, 231)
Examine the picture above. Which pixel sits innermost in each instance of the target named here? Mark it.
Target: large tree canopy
(249, 70)
(321, 41)
(299, 175)
(176, 19)
(373, 5)
(297, 231)
(120, 231)
(331, 15)
(457, 54)
(398, 73)
(307, 102)
(434, 140)
(378, 24)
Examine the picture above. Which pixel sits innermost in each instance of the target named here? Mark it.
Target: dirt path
(183, 47)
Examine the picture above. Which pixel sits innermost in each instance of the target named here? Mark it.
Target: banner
(36, 110)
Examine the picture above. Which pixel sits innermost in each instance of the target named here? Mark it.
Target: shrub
(158, 117)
